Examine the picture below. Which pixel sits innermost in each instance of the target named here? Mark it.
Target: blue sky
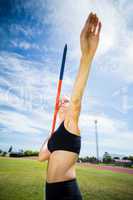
(33, 34)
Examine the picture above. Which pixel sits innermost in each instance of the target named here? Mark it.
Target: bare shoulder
(72, 126)
(72, 118)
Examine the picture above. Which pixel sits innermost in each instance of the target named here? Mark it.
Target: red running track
(116, 169)
(110, 168)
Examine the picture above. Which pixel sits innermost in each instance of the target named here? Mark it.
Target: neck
(61, 117)
(60, 121)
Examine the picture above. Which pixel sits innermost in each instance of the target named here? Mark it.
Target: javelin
(59, 88)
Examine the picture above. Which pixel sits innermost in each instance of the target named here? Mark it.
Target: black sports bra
(62, 139)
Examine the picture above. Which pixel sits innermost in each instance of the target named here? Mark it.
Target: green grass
(22, 179)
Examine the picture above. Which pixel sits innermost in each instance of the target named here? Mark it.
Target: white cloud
(68, 17)
(25, 45)
(19, 28)
(106, 124)
(114, 135)
(27, 95)
(30, 124)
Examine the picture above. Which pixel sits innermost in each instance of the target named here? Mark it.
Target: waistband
(61, 182)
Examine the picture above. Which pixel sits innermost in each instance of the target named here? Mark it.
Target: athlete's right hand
(89, 37)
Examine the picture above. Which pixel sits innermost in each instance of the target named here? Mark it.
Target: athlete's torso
(61, 165)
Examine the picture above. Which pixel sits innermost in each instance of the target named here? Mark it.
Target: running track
(110, 168)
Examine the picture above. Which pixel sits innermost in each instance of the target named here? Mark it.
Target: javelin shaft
(59, 88)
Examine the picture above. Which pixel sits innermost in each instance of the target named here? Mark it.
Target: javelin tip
(65, 47)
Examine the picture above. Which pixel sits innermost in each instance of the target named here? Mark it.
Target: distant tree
(35, 153)
(18, 153)
(87, 159)
(30, 153)
(21, 151)
(92, 159)
(1, 151)
(4, 153)
(130, 158)
(107, 158)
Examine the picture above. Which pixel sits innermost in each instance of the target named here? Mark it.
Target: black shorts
(65, 190)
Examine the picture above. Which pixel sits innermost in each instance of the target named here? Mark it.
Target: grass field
(22, 179)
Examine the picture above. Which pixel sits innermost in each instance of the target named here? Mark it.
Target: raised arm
(89, 40)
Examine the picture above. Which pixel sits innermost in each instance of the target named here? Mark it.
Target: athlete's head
(63, 105)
